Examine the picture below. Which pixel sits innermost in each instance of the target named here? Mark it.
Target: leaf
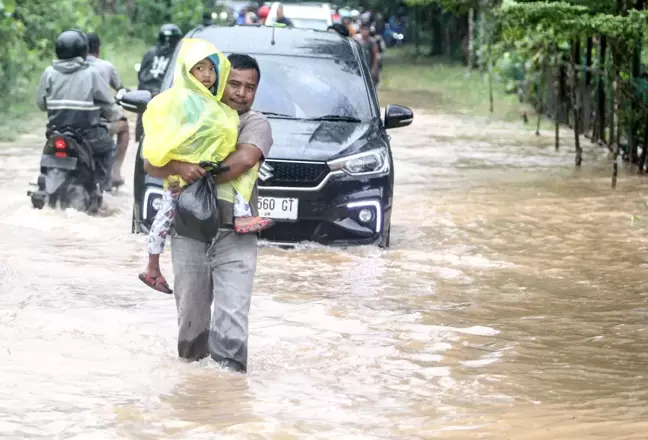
(9, 6)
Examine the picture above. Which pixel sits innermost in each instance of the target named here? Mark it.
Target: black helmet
(169, 33)
(70, 44)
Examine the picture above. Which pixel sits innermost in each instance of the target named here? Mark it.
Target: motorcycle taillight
(60, 147)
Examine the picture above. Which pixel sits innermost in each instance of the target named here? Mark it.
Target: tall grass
(441, 84)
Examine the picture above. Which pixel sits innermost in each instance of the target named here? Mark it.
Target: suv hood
(319, 140)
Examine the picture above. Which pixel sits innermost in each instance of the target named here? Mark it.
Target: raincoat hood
(192, 51)
(69, 65)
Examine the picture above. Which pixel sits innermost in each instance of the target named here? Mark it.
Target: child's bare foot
(246, 225)
(153, 277)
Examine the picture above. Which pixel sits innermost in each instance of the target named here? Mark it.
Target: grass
(124, 55)
(23, 115)
(441, 84)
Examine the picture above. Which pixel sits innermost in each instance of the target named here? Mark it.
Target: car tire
(386, 239)
(134, 225)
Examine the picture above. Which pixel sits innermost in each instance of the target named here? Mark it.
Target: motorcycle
(67, 174)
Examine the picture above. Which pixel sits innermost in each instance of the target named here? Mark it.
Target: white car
(303, 15)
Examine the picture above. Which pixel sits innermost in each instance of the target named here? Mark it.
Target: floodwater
(512, 305)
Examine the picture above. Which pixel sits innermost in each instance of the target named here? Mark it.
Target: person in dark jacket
(155, 64)
(339, 28)
(75, 95)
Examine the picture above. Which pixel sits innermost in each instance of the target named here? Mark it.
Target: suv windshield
(309, 87)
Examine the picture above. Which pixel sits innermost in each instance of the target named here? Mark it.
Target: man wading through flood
(221, 271)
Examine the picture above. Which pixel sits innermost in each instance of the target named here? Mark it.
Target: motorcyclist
(76, 96)
(207, 19)
(155, 64)
(119, 125)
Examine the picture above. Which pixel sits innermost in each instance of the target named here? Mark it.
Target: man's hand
(189, 172)
(120, 94)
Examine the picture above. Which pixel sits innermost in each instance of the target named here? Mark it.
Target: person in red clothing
(263, 13)
(335, 16)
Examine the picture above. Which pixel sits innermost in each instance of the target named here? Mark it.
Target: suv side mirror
(398, 116)
(134, 101)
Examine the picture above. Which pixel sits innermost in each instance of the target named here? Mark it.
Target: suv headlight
(370, 162)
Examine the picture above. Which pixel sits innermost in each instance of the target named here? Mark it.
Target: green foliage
(607, 6)
(28, 30)
(457, 6)
(569, 20)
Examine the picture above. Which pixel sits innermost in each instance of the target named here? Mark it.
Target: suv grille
(295, 174)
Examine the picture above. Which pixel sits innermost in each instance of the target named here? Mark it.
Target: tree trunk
(644, 147)
(542, 97)
(614, 140)
(436, 49)
(600, 109)
(634, 108)
(490, 78)
(130, 10)
(471, 41)
(588, 60)
(575, 86)
(447, 35)
(586, 102)
(417, 30)
(482, 37)
(557, 99)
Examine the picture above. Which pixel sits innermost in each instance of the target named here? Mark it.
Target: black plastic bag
(197, 214)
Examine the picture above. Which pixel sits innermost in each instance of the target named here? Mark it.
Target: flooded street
(513, 304)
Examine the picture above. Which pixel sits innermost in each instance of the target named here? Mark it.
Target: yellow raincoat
(189, 123)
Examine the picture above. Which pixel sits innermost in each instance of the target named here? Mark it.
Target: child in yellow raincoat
(189, 123)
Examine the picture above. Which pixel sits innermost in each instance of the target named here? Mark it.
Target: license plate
(65, 163)
(278, 207)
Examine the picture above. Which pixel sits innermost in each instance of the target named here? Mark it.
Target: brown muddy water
(512, 305)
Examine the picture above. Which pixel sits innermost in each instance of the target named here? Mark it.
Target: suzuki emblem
(265, 171)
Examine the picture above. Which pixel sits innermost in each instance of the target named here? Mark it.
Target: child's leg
(161, 224)
(160, 228)
(241, 206)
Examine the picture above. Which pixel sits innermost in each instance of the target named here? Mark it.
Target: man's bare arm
(241, 160)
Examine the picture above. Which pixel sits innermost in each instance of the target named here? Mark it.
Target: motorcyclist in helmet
(76, 96)
(155, 63)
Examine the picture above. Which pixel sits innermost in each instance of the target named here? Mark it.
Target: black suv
(329, 177)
